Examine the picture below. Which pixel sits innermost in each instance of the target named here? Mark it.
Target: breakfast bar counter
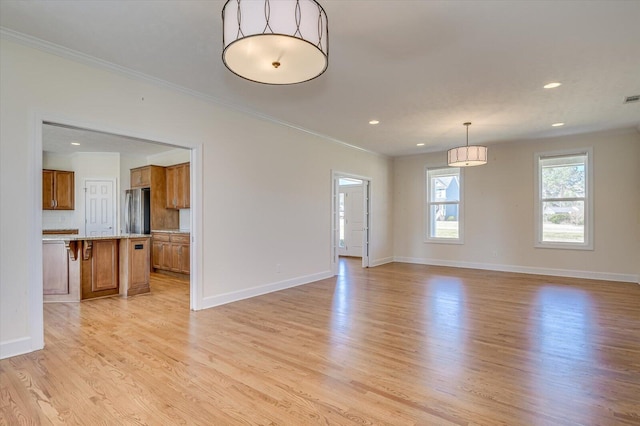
(78, 267)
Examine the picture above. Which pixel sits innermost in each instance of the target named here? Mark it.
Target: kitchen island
(77, 267)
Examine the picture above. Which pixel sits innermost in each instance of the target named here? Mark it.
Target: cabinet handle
(53, 203)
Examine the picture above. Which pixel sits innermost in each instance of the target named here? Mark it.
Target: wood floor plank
(398, 344)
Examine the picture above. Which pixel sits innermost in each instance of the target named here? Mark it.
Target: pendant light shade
(468, 155)
(275, 42)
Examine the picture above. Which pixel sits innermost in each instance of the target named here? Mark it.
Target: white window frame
(588, 201)
(428, 203)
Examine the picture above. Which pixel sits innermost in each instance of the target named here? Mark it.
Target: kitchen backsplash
(185, 219)
(58, 219)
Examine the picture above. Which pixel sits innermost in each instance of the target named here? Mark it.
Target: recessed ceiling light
(374, 122)
(552, 85)
(75, 143)
(419, 144)
(557, 124)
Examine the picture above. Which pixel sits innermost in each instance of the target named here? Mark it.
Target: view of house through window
(563, 199)
(444, 204)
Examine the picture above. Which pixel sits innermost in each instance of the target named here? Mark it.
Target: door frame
(116, 199)
(34, 237)
(366, 220)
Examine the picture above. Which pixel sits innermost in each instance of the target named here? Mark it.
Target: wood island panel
(100, 268)
(134, 266)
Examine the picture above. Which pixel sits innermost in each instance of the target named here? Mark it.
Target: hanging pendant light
(469, 155)
(275, 42)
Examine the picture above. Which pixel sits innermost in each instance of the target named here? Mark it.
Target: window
(444, 205)
(563, 201)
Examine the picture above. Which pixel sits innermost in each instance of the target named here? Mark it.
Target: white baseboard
(605, 276)
(383, 261)
(234, 296)
(16, 347)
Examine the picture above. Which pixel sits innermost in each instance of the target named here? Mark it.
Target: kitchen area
(115, 209)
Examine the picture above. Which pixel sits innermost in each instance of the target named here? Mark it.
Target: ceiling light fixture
(374, 122)
(469, 155)
(557, 124)
(552, 85)
(75, 143)
(419, 144)
(275, 42)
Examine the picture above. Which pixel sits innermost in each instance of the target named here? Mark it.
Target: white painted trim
(85, 59)
(589, 201)
(34, 286)
(383, 261)
(196, 292)
(368, 219)
(234, 296)
(16, 347)
(569, 273)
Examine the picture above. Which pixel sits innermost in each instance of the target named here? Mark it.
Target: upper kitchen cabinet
(58, 190)
(178, 188)
(141, 177)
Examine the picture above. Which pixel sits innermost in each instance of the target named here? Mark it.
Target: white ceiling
(59, 139)
(420, 67)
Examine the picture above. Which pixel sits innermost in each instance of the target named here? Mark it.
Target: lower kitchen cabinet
(171, 252)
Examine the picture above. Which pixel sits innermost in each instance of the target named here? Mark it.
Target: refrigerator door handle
(127, 216)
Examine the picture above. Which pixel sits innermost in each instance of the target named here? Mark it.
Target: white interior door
(351, 220)
(99, 202)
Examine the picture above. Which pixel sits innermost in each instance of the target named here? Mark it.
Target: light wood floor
(398, 344)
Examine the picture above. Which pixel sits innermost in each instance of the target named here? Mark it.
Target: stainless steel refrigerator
(137, 211)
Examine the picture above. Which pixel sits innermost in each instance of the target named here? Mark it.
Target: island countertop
(75, 237)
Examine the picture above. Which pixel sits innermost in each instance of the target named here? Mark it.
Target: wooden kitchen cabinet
(134, 266)
(58, 190)
(178, 187)
(154, 178)
(100, 268)
(141, 177)
(171, 252)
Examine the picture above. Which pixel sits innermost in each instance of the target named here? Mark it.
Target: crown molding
(64, 52)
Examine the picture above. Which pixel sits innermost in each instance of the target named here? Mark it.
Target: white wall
(499, 227)
(266, 188)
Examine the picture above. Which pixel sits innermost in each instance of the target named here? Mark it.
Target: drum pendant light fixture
(469, 155)
(275, 42)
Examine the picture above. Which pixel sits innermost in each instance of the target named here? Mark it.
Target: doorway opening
(351, 219)
(101, 162)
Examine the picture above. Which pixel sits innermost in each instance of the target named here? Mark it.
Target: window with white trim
(443, 216)
(564, 206)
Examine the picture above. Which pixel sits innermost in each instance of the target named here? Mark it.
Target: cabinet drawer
(180, 238)
(160, 237)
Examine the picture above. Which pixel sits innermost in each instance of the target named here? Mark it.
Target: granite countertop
(75, 237)
(172, 231)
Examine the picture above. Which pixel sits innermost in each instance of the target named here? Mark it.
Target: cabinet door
(175, 257)
(157, 254)
(100, 271)
(138, 263)
(185, 266)
(172, 198)
(47, 190)
(55, 268)
(140, 177)
(167, 253)
(183, 185)
(64, 190)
